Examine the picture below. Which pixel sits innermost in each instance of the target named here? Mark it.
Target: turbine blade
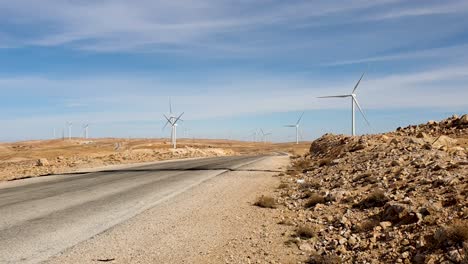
(360, 110)
(168, 122)
(290, 125)
(299, 120)
(357, 84)
(335, 96)
(178, 118)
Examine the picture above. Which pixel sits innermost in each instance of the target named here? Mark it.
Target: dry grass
(320, 259)
(313, 200)
(305, 232)
(375, 199)
(265, 202)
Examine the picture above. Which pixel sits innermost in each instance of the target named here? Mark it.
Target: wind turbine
(172, 119)
(297, 127)
(354, 102)
(69, 124)
(85, 128)
(264, 135)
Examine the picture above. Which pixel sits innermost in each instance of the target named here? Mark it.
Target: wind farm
(306, 132)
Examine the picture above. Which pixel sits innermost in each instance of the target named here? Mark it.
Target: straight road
(41, 218)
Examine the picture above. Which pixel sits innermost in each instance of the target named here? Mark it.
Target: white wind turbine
(85, 132)
(264, 135)
(354, 101)
(69, 124)
(298, 123)
(172, 120)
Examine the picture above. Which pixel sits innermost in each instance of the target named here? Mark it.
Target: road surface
(43, 217)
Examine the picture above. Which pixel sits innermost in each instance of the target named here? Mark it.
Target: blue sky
(231, 66)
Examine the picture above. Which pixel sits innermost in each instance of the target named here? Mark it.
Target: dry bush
(450, 201)
(286, 222)
(375, 199)
(283, 185)
(265, 202)
(320, 259)
(313, 184)
(367, 225)
(313, 200)
(325, 162)
(305, 232)
(457, 234)
(302, 164)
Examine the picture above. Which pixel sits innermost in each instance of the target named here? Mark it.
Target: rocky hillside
(399, 197)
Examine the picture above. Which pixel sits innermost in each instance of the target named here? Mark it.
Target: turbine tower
(172, 120)
(69, 124)
(298, 123)
(85, 132)
(264, 135)
(354, 102)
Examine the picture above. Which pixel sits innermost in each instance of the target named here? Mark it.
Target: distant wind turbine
(264, 135)
(354, 101)
(69, 124)
(85, 132)
(298, 123)
(172, 120)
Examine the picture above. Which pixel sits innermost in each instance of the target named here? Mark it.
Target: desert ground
(45, 157)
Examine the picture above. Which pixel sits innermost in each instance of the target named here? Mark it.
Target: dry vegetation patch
(265, 202)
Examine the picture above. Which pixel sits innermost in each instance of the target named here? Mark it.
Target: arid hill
(398, 197)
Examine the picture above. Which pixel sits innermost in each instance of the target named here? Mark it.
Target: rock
(306, 247)
(464, 119)
(399, 214)
(42, 162)
(385, 224)
(444, 141)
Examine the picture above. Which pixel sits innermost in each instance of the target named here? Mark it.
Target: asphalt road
(39, 219)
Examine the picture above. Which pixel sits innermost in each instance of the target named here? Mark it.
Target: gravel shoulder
(213, 222)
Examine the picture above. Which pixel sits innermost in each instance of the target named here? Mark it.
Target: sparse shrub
(283, 185)
(320, 259)
(457, 234)
(367, 225)
(375, 199)
(305, 232)
(313, 200)
(325, 162)
(286, 222)
(450, 201)
(265, 202)
(313, 184)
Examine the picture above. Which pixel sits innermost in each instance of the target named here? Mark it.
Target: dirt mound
(394, 198)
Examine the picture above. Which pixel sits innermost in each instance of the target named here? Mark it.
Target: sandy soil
(44, 157)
